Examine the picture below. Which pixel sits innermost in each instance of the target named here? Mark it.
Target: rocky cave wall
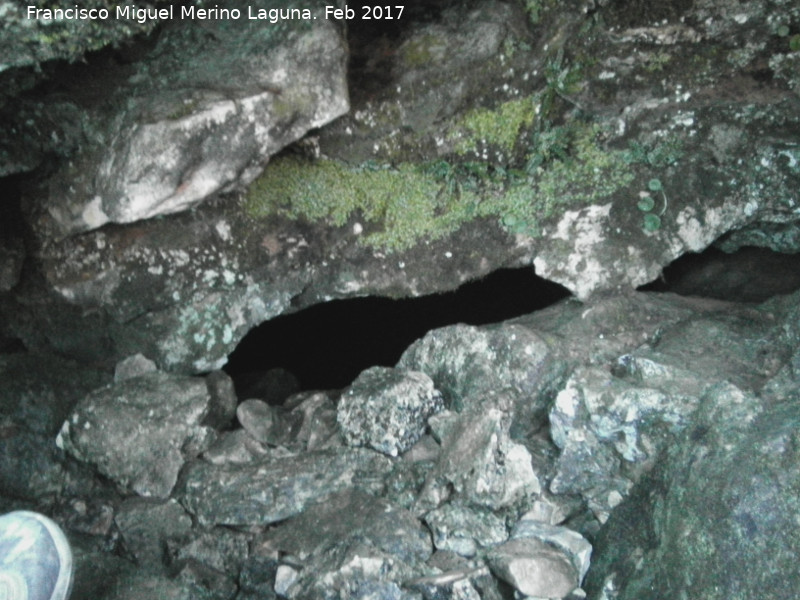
(190, 180)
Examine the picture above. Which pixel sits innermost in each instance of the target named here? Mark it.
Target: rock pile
(489, 470)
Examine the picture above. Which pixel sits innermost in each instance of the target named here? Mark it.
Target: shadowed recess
(748, 275)
(328, 345)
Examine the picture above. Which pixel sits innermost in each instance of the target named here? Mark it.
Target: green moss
(587, 174)
(403, 205)
(536, 9)
(400, 205)
(420, 51)
(184, 109)
(656, 62)
(499, 127)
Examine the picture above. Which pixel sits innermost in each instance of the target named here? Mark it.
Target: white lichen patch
(579, 268)
(223, 229)
(93, 214)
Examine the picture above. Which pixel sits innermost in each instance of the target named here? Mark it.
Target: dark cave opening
(12, 253)
(749, 274)
(327, 345)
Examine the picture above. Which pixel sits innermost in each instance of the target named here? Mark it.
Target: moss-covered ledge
(400, 205)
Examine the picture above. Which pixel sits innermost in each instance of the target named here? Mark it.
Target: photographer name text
(142, 15)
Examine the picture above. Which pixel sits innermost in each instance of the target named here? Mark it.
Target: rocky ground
(608, 445)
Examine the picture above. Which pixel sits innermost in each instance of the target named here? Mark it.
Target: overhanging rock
(202, 114)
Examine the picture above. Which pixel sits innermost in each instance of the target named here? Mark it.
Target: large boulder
(180, 124)
(140, 431)
(717, 519)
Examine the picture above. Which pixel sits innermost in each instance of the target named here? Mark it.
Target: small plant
(562, 81)
(548, 144)
(646, 203)
(794, 43)
(534, 8)
(664, 154)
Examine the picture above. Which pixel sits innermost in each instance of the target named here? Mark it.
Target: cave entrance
(749, 274)
(327, 345)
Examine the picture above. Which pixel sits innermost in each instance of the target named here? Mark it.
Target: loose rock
(534, 568)
(387, 409)
(273, 489)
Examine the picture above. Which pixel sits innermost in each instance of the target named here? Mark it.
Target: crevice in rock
(373, 43)
(748, 275)
(326, 346)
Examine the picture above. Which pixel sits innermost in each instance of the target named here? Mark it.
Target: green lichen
(499, 127)
(399, 206)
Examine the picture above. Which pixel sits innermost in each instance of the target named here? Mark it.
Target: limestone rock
(480, 464)
(147, 526)
(716, 519)
(275, 488)
(200, 124)
(572, 543)
(463, 530)
(235, 447)
(142, 584)
(534, 568)
(466, 361)
(29, 40)
(452, 585)
(260, 420)
(205, 581)
(352, 515)
(387, 409)
(133, 366)
(285, 576)
(315, 415)
(503, 184)
(509, 365)
(611, 424)
(223, 402)
(135, 431)
(257, 578)
(354, 570)
(220, 548)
